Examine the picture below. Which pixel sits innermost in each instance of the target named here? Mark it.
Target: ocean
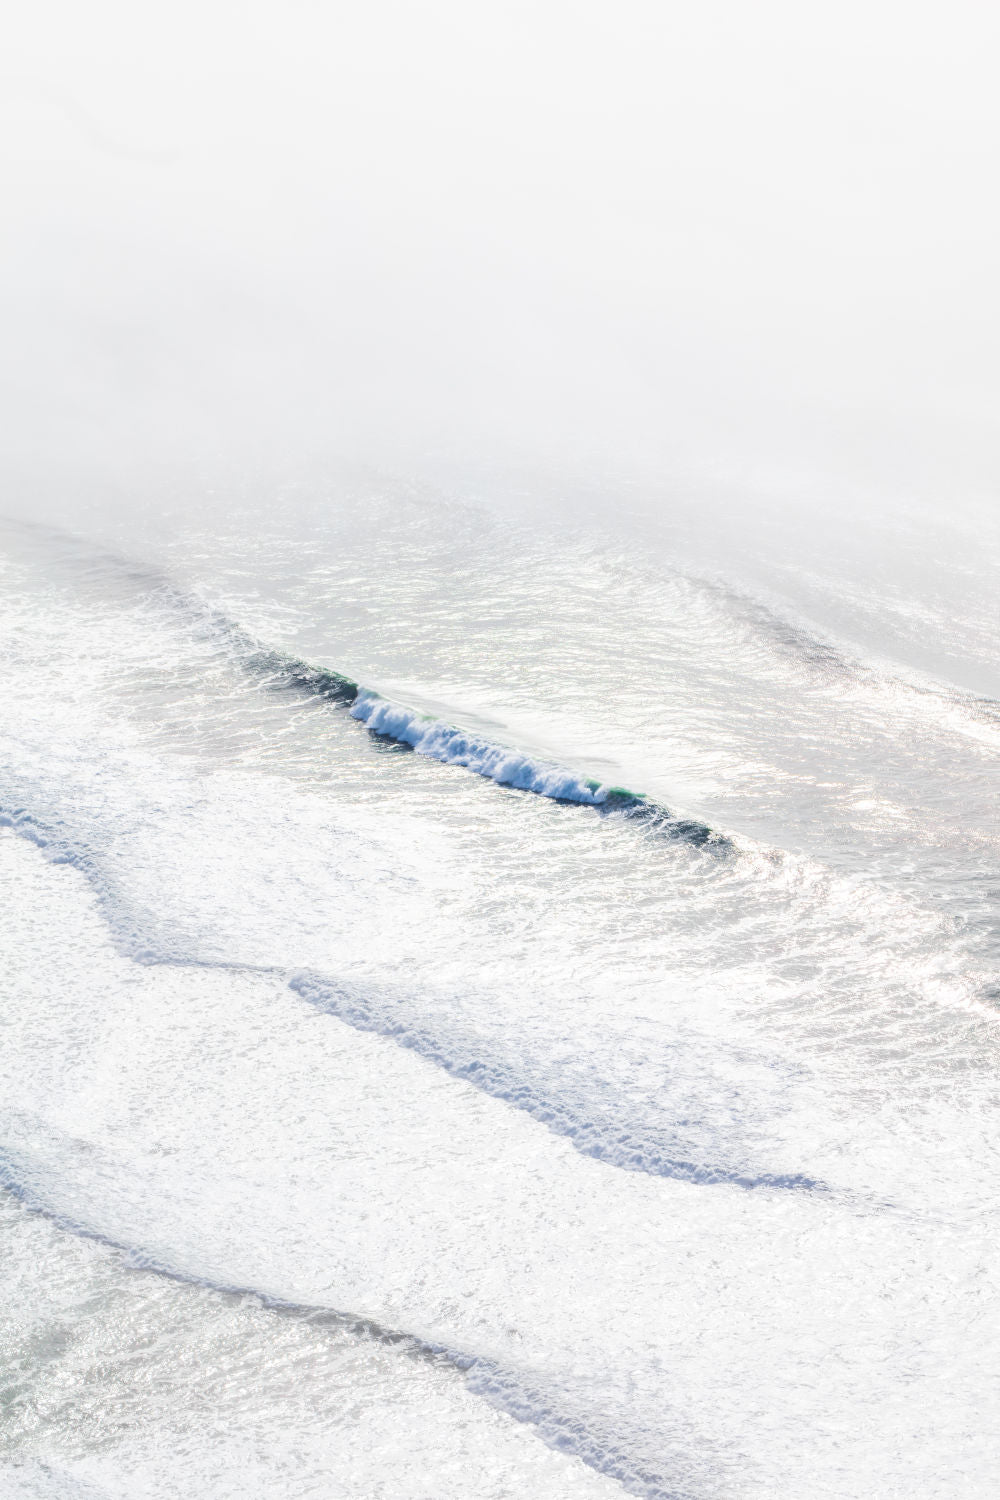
(500, 998)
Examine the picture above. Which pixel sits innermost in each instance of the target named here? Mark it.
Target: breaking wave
(452, 745)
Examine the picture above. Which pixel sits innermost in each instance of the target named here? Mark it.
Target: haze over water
(498, 777)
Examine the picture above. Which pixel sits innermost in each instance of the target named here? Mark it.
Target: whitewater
(486, 1011)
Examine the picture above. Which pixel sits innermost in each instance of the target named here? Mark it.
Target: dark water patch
(660, 821)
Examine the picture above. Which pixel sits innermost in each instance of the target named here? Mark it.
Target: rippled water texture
(490, 1012)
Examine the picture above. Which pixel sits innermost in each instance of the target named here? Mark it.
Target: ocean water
(495, 1006)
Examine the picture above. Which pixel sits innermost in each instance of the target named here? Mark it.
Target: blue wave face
(457, 748)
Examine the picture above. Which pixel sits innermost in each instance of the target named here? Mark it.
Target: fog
(712, 250)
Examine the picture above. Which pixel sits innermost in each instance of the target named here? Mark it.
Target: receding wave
(596, 1127)
(605, 1134)
(16, 1181)
(556, 1422)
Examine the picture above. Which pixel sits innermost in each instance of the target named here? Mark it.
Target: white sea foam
(124, 1364)
(444, 742)
(484, 943)
(695, 1340)
(223, 1128)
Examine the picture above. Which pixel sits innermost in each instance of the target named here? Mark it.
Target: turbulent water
(494, 1010)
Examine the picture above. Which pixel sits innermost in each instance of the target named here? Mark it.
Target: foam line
(599, 1131)
(610, 1139)
(504, 1389)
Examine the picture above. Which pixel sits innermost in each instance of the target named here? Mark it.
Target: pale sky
(747, 244)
